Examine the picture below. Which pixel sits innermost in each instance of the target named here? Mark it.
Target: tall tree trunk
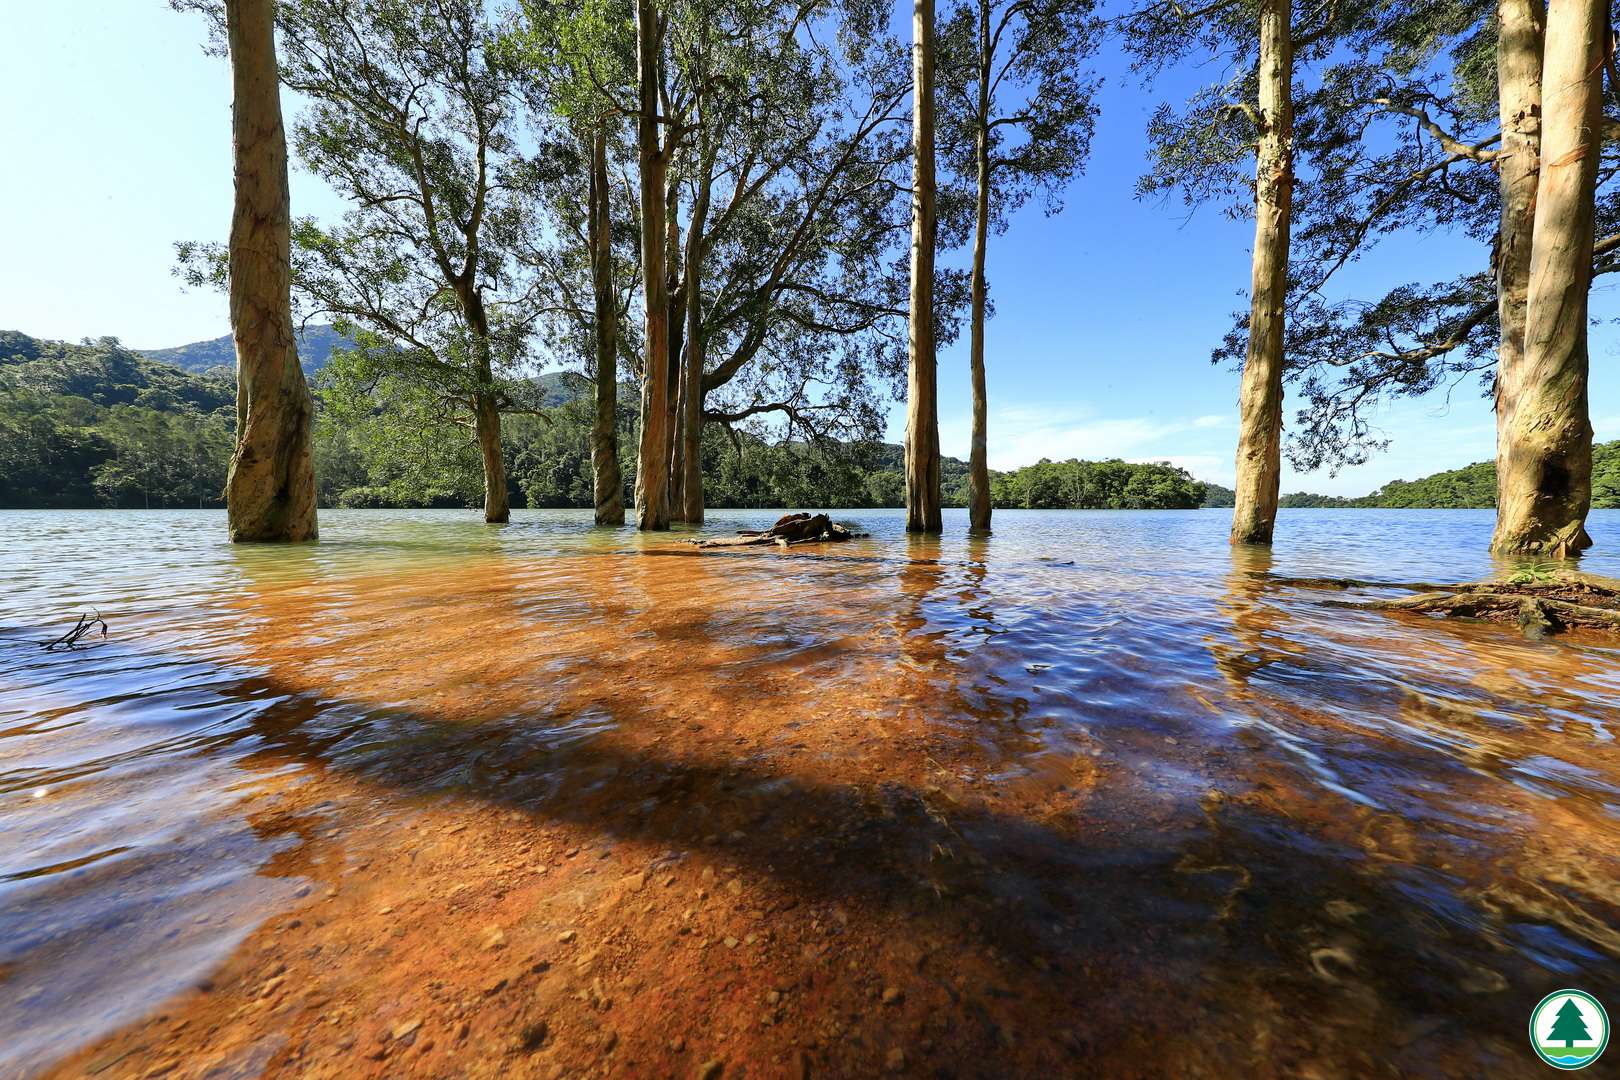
(270, 489)
(652, 458)
(675, 291)
(1521, 26)
(1544, 456)
(978, 456)
(497, 505)
(922, 404)
(1260, 401)
(608, 484)
(486, 406)
(690, 451)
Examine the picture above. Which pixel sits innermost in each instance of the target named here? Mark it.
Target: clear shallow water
(1398, 826)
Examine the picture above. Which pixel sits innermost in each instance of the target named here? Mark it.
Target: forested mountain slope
(98, 424)
(315, 345)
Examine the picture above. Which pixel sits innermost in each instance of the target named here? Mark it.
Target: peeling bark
(1521, 27)
(922, 392)
(652, 458)
(607, 482)
(1260, 402)
(270, 489)
(1544, 453)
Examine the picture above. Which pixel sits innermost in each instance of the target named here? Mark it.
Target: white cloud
(1024, 434)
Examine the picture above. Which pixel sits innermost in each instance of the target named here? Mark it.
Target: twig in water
(87, 622)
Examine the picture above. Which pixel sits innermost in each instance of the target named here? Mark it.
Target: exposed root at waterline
(1537, 608)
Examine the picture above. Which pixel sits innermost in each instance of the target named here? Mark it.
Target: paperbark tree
(1017, 120)
(607, 481)
(783, 260)
(690, 413)
(580, 64)
(1521, 29)
(652, 462)
(1260, 398)
(1471, 160)
(270, 490)
(411, 117)
(1198, 151)
(922, 394)
(1544, 456)
(782, 270)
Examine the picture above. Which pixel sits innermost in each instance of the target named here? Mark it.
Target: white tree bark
(1544, 457)
(1260, 402)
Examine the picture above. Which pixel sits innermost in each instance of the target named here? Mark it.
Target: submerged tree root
(789, 531)
(1537, 609)
(1361, 583)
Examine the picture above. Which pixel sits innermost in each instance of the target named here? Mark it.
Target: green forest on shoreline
(97, 424)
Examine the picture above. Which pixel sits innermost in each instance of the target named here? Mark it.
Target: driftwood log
(789, 531)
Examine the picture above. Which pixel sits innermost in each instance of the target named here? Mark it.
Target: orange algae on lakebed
(613, 806)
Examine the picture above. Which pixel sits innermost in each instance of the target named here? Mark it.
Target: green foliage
(1097, 485)
(1538, 573)
(1470, 486)
(96, 424)
(1038, 107)
(105, 373)
(404, 445)
(1305, 500)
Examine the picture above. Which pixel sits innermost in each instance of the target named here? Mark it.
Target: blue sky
(117, 128)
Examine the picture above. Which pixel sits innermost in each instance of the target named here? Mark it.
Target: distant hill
(105, 373)
(315, 345)
(1472, 487)
(96, 424)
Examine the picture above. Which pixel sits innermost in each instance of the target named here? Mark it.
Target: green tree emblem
(1569, 1024)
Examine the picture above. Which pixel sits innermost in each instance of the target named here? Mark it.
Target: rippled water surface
(1307, 832)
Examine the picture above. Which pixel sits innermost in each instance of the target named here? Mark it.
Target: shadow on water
(1275, 888)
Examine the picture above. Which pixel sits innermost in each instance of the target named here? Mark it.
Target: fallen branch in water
(87, 622)
(789, 531)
